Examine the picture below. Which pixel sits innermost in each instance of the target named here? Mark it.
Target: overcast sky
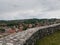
(25, 9)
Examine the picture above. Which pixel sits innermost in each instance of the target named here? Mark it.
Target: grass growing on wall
(53, 39)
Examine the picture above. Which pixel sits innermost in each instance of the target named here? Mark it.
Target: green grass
(53, 39)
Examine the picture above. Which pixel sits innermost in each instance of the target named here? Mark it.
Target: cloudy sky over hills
(24, 9)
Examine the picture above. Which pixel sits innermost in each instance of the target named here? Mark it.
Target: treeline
(26, 23)
(30, 21)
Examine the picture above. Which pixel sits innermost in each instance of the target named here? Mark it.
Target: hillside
(29, 21)
(53, 39)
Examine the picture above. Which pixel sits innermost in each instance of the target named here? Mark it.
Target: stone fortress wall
(29, 36)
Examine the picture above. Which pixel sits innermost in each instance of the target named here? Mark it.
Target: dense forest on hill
(32, 21)
(26, 23)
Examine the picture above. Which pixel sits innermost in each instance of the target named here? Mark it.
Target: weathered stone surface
(29, 36)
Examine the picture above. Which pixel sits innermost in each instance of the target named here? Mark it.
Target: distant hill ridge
(27, 21)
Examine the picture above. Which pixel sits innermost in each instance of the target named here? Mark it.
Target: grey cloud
(41, 8)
